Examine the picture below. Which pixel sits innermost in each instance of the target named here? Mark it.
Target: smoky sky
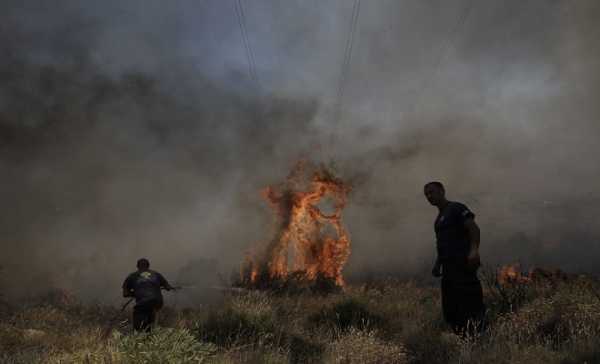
(132, 129)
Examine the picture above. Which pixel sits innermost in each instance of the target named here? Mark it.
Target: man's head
(435, 193)
(143, 264)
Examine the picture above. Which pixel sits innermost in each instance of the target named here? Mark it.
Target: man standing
(457, 261)
(145, 286)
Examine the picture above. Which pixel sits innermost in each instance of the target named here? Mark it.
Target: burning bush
(310, 244)
(511, 274)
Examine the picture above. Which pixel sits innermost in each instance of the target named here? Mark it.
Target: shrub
(347, 313)
(587, 351)
(302, 350)
(229, 327)
(430, 346)
(355, 346)
(162, 346)
(25, 357)
(13, 340)
(245, 355)
(45, 317)
(505, 298)
(562, 319)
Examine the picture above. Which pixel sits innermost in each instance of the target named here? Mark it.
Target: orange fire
(511, 274)
(310, 240)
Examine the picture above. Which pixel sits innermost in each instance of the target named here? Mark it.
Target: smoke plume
(148, 129)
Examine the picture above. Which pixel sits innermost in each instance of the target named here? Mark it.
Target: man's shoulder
(460, 208)
(152, 274)
(132, 275)
(457, 205)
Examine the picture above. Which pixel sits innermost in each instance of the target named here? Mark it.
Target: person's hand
(473, 260)
(436, 271)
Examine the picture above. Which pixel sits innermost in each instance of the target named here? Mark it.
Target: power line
(241, 16)
(345, 66)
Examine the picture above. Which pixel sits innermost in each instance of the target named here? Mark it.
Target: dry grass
(384, 322)
(364, 347)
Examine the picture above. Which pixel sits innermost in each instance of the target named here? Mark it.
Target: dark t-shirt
(452, 236)
(146, 287)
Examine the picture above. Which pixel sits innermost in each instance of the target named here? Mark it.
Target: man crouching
(145, 285)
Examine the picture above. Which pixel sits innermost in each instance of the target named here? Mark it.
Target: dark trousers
(144, 316)
(462, 298)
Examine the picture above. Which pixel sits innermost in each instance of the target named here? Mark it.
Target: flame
(511, 274)
(307, 241)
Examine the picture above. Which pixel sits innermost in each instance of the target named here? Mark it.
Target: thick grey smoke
(133, 129)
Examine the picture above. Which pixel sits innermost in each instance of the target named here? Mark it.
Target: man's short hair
(143, 263)
(436, 184)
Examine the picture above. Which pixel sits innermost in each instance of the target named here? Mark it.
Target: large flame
(308, 242)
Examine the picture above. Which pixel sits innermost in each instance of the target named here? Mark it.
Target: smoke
(505, 119)
(133, 129)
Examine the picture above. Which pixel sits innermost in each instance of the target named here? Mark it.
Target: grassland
(384, 321)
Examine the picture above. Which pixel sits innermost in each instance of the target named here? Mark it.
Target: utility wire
(241, 16)
(345, 67)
